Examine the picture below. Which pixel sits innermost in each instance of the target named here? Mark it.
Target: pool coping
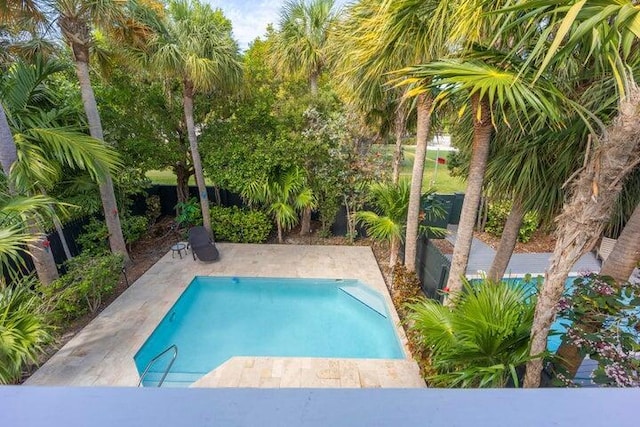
(102, 353)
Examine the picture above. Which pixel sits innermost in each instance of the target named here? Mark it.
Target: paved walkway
(481, 257)
(102, 353)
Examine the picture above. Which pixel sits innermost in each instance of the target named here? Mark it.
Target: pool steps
(368, 298)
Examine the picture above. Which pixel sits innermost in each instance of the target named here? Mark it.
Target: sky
(251, 17)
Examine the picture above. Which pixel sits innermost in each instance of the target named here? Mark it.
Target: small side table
(178, 247)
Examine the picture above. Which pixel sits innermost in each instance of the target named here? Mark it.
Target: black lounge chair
(202, 245)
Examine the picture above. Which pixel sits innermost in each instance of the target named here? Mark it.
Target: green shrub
(95, 236)
(88, 280)
(481, 340)
(189, 213)
(23, 330)
(237, 225)
(497, 217)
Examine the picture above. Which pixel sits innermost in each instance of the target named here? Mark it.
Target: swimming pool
(217, 318)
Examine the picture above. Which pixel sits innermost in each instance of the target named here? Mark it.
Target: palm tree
(77, 19)
(284, 194)
(361, 75)
(196, 48)
(43, 145)
(388, 223)
(301, 44)
(481, 340)
(402, 33)
(607, 29)
(300, 47)
(489, 88)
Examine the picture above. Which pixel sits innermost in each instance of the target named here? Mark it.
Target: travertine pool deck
(102, 353)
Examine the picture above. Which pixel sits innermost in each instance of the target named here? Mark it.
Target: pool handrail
(155, 359)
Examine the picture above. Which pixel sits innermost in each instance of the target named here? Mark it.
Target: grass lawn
(440, 180)
(166, 177)
(444, 183)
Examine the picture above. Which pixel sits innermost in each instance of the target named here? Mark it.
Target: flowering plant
(605, 325)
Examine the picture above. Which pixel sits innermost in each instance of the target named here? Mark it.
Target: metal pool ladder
(155, 359)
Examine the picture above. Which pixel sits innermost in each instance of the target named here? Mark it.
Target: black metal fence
(432, 267)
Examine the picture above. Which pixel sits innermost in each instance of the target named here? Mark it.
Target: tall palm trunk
(63, 240)
(394, 248)
(626, 252)
(423, 106)
(8, 150)
(507, 242)
(313, 83)
(400, 127)
(305, 222)
(182, 181)
(279, 226)
(109, 205)
(482, 132)
(619, 264)
(39, 250)
(42, 256)
(584, 217)
(195, 155)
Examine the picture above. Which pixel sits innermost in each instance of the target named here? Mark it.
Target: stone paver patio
(102, 353)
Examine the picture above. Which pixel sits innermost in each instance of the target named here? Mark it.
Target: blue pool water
(217, 318)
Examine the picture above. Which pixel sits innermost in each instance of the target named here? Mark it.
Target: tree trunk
(620, 264)
(8, 151)
(195, 155)
(63, 240)
(400, 127)
(182, 182)
(394, 248)
(279, 231)
(626, 252)
(313, 83)
(305, 225)
(584, 216)
(424, 103)
(41, 254)
(109, 205)
(482, 132)
(39, 250)
(507, 242)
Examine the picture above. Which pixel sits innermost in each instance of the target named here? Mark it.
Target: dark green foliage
(481, 339)
(88, 280)
(190, 213)
(237, 225)
(95, 236)
(497, 217)
(154, 209)
(23, 330)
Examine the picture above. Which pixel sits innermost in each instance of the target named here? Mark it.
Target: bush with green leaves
(95, 236)
(189, 213)
(481, 339)
(497, 217)
(237, 225)
(88, 280)
(23, 330)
